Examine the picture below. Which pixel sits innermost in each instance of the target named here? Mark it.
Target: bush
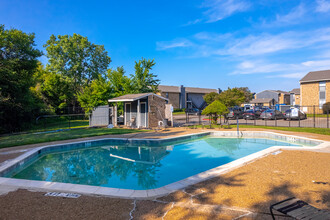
(326, 108)
(179, 110)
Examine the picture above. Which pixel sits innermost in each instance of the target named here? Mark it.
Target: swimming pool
(139, 166)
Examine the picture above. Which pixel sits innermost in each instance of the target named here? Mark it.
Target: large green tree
(18, 63)
(143, 80)
(96, 94)
(232, 97)
(247, 93)
(215, 109)
(211, 97)
(76, 58)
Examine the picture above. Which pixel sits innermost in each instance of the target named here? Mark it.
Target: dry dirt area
(244, 193)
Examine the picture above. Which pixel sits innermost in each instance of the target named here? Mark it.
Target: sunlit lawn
(34, 138)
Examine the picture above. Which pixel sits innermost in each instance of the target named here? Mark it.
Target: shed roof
(295, 91)
(133, 97)
(164, 88)
(199, 90)
(316, 76)
(262, 100)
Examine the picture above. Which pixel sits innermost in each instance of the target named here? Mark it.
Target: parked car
(271, 114)
(192, 111)
(251, 114)
(234, 113)
(294, 114)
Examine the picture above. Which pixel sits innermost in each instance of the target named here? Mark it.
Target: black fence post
(289, 119)
(69, 122)
(199, 117)
(328, 118)
(275, 121)
(254, 120)
(314, 115)
(299, 118)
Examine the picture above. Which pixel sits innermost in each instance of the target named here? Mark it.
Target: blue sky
(265, 44)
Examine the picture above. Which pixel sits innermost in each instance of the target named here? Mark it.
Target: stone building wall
(173, 98)
(156, 110)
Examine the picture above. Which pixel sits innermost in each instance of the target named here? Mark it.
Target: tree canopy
(215, 109)
(18, 63)
(211, 97)
(144, 81)
(76, 58)
(232, 97)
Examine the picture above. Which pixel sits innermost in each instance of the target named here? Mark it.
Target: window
(167, 95)
(321, 94)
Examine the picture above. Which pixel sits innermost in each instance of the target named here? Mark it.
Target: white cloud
(266, 44)
(322, 6)
(317, 63)
(257, 67)
(164, 45)
(220, 9)
(283, 70)
(289, 75)
(293, 17)
(262, 44)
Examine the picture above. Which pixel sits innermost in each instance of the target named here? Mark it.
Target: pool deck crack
(132, 211)
(168, 210)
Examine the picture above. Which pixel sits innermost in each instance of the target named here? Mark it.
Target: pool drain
(62, 194)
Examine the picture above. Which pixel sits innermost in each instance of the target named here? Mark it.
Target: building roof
(316, 76)
(133, 97)
(200, 90)
(279, 91)
(263, 100)
(177, 89)
(295, 91)
(164, 88)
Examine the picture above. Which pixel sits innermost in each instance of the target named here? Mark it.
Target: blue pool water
(134, 167)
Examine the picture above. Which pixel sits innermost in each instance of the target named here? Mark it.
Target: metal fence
(66, 118)
(316, 117)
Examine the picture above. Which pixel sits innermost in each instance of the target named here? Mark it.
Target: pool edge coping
(150, 193)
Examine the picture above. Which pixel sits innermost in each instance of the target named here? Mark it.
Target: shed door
(127, 113)
(143, 114)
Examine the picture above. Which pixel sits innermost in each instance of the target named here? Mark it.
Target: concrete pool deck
(177, 198)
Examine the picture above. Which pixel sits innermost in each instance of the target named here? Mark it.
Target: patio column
(115, 113)
(138, 117)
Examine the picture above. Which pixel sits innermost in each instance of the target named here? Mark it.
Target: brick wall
(309, 94)
(284, 99)
(156, 110)
(297, 99)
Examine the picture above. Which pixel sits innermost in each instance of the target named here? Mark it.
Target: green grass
(317, 116)
(179, 113)
(325, 131)
(34, 138)
(58, 124)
